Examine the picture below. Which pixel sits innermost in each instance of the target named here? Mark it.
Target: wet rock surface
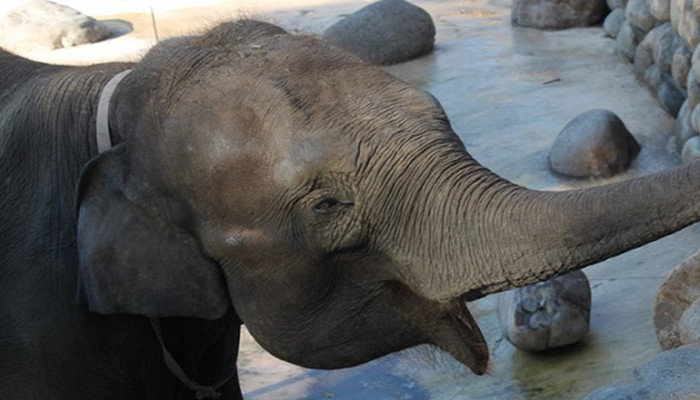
(594, 144)
(41, 25)
(558, 14)
(547, 314)
(678, 294)
(385, 32)
(672, 374)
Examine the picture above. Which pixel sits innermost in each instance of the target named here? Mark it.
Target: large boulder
(546, 314)
(558, 14)
(676, 296)
(594, 144)
(385, 32)
(44, 25)
(671, 375)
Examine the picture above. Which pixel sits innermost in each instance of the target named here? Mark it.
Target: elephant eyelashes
(329, 205)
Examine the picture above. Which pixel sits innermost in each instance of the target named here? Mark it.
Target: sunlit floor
(508, 93)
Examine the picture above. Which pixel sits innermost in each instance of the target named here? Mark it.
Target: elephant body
(50, 348)
(273, 180)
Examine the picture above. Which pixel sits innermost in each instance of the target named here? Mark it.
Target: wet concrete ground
(508, 93)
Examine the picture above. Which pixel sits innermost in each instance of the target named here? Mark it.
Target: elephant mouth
(462, 338)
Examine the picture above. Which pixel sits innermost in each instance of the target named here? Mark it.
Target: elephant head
(329, 204)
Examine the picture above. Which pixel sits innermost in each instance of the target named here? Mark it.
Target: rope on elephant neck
(201, 392)
(104, 139)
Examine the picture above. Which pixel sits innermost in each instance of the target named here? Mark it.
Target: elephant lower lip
(473, 350)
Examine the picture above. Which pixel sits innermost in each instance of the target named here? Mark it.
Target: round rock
(385, 32)
(689, 324)
(670, 375)
(613, 22)
(594, 144)
(678, 292)
(638, 15)
(546, 314)
(558, 14)
(44, 25)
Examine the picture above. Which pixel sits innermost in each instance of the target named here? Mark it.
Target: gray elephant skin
(271, 180)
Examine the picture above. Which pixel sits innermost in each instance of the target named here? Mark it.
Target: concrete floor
(508, 93)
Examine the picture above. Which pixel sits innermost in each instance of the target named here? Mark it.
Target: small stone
(557, 14)
(44, 25)
(594, 144)
(680, 289)
(385, 32)
(638, 15)
(670, 375)
(689, 324)
(613, 22)
(680, 66)
(685, 22)
(695, 61)
(691, 152)
(684, 130)
(626, 42)
(652, 76)
(659, 9)
(669, 95)
(614, 4)
(693, 89)
(546, 314)
(695, 118)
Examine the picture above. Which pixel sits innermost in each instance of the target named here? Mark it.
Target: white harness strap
(104, 140)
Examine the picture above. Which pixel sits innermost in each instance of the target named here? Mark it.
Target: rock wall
(661, 37)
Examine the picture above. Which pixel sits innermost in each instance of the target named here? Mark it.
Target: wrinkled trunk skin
(471, 233)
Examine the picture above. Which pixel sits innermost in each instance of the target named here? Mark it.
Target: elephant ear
(132, 261)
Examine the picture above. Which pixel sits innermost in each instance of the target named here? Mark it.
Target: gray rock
(613, 4)
(689, 324)
(660, 9)
(685, 22)
(44, 25)
(684, 130)
(613, 22)
(695, 118)
(690, 152)
(653, 77)
(626, 42)
(693, 89)
(680, 66)
(671, 375)
(669, 95)
(638, 15)
(593, 144)
(557, 14)
(643, 60)
(695, 62)
(680, 289)
(546, 314)
(385, 32)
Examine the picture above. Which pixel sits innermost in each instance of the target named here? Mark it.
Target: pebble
(557, 14)
(44, 25)
(547, 314)
(613, 22)
(385, 32)
(677, 293)
(594, 144)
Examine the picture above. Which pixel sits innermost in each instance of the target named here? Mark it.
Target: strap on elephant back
(201, 392)
(104, 140)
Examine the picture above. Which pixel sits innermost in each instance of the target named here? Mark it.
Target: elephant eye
(326, 205)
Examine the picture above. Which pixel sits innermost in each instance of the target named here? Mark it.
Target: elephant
(255, 177)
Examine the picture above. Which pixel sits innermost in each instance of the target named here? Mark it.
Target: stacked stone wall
(661, 37)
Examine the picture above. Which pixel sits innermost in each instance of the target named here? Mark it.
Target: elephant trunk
(474, 233)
